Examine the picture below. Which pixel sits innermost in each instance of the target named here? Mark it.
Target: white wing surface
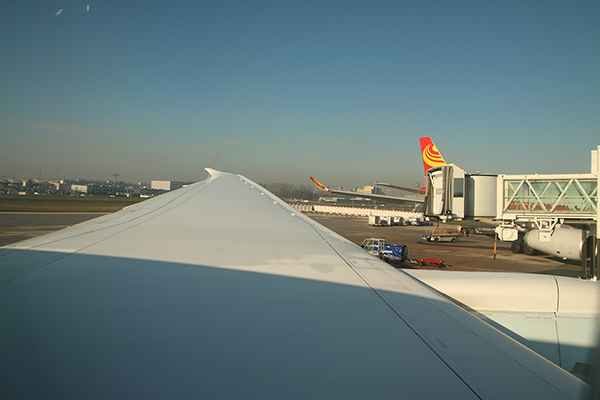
(220, 290)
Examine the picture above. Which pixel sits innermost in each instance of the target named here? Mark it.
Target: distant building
(131, 191)
(102, 190)
(62, 186)
(46, 186)
(167, 185)
(372, 190)
(79, 188)
(107, 189)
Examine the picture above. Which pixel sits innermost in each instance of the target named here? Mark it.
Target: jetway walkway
(548, 196)
(454, 193)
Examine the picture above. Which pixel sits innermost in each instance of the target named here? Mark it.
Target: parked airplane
(221, 290)
(431, 157)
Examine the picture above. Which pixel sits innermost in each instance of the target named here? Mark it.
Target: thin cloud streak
(48, 127)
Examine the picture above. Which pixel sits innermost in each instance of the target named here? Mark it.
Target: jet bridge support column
(589, 256)
(596, 257)
(594, 240)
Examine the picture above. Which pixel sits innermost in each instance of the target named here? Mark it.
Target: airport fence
(354, 211)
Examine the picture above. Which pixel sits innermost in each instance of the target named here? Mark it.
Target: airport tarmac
(472, 253)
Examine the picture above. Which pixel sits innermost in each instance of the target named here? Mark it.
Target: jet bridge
(556, 214)
(570, 196)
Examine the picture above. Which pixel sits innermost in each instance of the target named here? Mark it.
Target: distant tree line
(288, 191)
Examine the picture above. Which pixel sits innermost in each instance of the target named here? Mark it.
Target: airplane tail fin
(319, 184)
(431, 155)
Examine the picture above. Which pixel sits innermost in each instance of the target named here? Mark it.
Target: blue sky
(282, 90)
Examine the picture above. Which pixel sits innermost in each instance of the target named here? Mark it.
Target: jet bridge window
(459, 187)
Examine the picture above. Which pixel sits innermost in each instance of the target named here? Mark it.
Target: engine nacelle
(565, 243)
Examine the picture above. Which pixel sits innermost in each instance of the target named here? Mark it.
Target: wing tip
(212, 173)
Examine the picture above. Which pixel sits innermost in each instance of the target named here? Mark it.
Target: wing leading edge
(220, 289)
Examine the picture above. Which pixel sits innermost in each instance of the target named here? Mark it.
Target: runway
(17, 226)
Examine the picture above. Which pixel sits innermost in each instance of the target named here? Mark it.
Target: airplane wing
(406, 189)
(388, 199)
(220, 290)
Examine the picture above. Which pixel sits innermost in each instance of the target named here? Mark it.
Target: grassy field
(10, 203)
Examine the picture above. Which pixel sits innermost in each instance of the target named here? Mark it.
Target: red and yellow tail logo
(319, 184)
(431, 155)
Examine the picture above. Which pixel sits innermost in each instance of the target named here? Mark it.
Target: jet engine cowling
(566, 243)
